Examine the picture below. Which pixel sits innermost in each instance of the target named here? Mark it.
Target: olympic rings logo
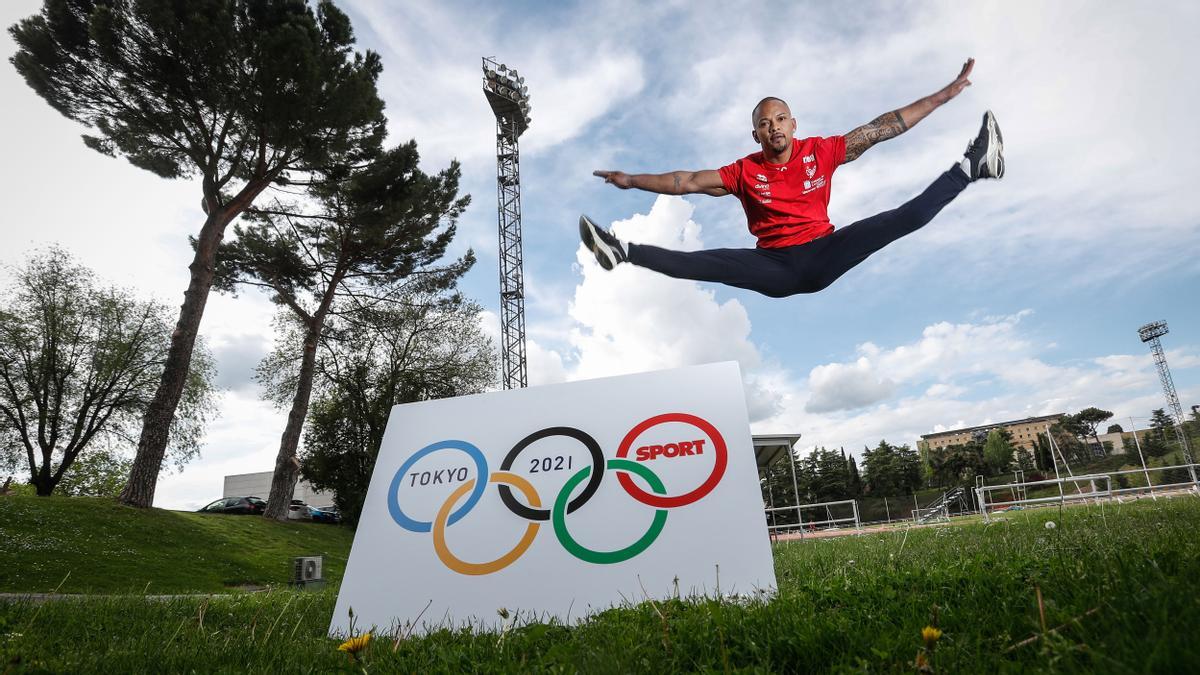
(534, 511)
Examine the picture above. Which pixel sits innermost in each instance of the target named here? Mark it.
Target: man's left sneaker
(609, 250)
(985, 155)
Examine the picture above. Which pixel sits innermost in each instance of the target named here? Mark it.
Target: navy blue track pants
(809, 267)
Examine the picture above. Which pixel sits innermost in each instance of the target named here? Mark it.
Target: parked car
(328, 514)
(298, 510)
(243, 506)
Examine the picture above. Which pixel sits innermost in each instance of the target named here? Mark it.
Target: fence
(1150, 487)
(829, 522)
(981, 493)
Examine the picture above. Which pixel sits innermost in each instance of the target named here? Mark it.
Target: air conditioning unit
(307, 570)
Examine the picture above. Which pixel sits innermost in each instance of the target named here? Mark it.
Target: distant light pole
(1150, 334)
(509, 98)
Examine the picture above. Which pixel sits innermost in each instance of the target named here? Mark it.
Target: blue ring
(481, 480)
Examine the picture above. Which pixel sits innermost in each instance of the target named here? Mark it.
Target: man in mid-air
(784, 190)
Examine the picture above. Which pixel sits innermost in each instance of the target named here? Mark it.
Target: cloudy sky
(1022, 298)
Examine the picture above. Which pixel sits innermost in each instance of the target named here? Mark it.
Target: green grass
(99, 546)
(1119, 579)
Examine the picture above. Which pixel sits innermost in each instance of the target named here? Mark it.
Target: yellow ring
(439, 527)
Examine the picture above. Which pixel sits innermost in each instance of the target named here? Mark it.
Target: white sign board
(559, 501)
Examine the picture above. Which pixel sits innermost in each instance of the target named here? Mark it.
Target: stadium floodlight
(1153, 330)
(1150, 334)
(509, 99)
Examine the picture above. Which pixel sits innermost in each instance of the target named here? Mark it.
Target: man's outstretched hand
(618, 178)
(961, 82)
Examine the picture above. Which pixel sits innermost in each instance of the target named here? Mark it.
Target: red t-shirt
(787, 204)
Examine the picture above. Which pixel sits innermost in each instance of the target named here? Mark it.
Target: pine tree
(997, 452)
(1163, 425)
(240, 93)
(854, 480)
(375, 231)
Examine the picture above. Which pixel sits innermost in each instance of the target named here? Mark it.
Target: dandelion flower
(355, 644)
(930, 635)
(1050, 525)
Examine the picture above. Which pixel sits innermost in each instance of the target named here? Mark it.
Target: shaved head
(759, 105)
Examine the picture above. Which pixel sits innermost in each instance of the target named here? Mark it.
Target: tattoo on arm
(887, 125)
(676, 183)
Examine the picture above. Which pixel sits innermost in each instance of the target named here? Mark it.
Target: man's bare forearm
(670, 183)
(706, 182)
(887, 125)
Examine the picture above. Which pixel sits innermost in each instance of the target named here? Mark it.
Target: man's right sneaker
(609, 250)
(985, 155)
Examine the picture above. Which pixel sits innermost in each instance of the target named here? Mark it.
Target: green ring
(558, 516)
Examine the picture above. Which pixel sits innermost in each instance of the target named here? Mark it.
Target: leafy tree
(419, 349)
(372, 232)
(241, 93)
(925, 454)
(854, 480)
(1069, 425)
(1163, 425)
(891, 470)
(1067, 434)
(779, 490)
(1115, 429)
(1153, 446)
(1042, 454)
(100, 472)
(79, 364)
(1025, 460)
(832, 481)
(1089, 419)
(997, 452)
(958, 464)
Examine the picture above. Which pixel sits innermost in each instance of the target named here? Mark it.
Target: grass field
(1117, 585)
(98, 546)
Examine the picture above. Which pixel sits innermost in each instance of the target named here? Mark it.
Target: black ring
(593, 483)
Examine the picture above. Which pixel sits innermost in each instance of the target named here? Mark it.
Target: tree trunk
(152, 445)
(287, 468)
(41, 477)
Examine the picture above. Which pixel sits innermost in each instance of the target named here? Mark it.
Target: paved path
(39, 598)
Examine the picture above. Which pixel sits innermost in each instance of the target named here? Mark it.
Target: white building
(259, 485)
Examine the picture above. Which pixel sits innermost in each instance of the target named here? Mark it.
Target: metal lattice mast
(1150, 334)
(509, 98)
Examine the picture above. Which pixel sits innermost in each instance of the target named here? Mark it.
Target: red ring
(660, 501)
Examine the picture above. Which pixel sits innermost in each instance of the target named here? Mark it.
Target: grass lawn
(1117, 583)
(99, 546)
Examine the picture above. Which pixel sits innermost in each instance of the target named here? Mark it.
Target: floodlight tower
(509, 97)
(1150, 333)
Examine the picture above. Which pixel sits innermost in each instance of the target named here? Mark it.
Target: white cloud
(632, 320)
(845, 386)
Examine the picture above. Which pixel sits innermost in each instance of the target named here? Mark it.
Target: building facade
(259, 485)
(1024, 432)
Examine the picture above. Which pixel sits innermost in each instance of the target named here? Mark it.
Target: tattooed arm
(673, 183)
(892, 124)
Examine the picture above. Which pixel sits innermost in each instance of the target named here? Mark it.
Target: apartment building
(1024, 432)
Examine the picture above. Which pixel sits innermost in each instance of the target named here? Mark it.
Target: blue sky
(1023, 297)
